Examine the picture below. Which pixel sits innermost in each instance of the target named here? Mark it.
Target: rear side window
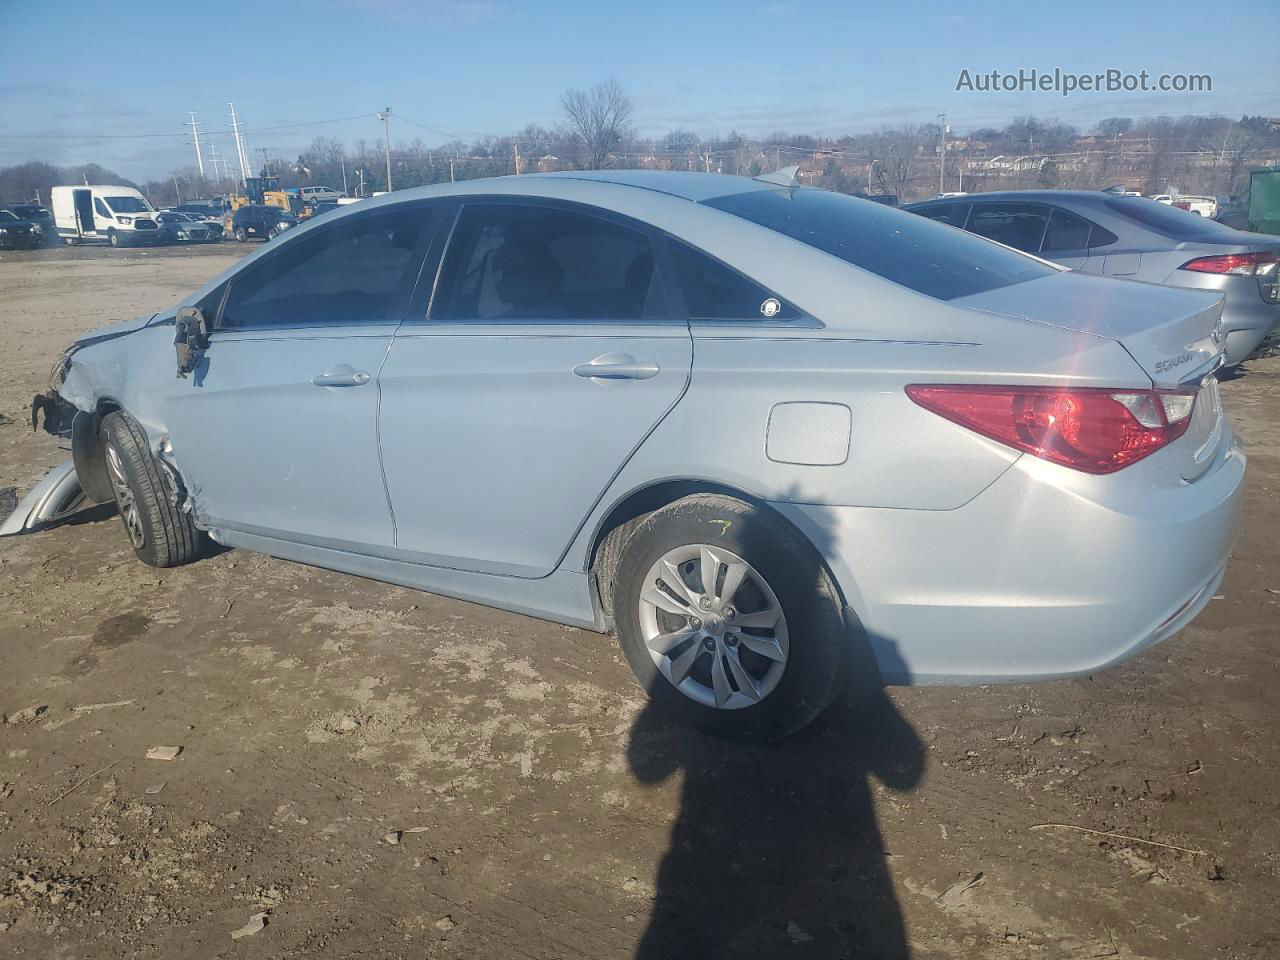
(1170, 221)
(527, 262)
(1018, 225)
(902, 247)
(349, 274)
(713, 291)
(1066, 231)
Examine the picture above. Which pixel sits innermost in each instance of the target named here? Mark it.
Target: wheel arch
(608, 539)
(88, 453)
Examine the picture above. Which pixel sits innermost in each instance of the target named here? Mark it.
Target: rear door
(1066, 239)
(277, 427)
(548, 355)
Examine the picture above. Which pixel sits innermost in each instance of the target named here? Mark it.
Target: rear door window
(902, 247)
(1018, 225)
(355, 272)
(517, 262)
(714, 291)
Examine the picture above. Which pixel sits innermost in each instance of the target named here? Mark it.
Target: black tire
(241, 235)
(273, 232)
(817, 664)
(168, 536)
(113, 238)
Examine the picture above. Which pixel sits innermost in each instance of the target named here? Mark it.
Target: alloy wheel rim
(713, 626)
(125, 500)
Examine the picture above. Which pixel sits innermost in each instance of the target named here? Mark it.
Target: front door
(548, 357)
(276, 430)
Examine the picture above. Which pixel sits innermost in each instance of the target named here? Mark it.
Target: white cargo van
(118, 215)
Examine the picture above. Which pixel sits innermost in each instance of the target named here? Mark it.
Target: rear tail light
(1241, 264)
(1094, 430)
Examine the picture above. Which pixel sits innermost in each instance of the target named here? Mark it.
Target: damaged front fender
(50, 501)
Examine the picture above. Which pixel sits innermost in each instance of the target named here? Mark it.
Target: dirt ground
(385, 773)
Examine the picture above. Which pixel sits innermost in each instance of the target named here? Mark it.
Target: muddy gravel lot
(369, 771)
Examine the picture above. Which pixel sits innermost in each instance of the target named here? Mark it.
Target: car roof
(676, 183)
(1041, 196)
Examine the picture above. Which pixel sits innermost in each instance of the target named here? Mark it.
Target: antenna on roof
(783, 176)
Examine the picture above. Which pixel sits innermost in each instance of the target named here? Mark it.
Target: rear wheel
(729, 619)
(241, 235)
(161, 534)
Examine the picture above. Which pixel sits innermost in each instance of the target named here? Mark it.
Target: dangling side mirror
(190, 338)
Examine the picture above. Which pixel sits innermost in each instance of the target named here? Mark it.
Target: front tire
(729, 619)
(161, 534)
(241, 235)
(113, 238)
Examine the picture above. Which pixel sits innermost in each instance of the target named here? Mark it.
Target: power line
(142, 136)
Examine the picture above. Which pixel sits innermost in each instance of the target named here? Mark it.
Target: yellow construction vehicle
(264, 190)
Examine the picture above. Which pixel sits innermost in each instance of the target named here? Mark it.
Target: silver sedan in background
(1138, 239)
(776, 437)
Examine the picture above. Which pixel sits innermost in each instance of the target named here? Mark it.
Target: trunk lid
(1173, 334)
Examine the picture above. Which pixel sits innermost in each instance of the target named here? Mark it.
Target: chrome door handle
(617, 366)
(341, 376)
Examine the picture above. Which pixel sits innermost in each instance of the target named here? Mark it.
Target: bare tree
(600, 119)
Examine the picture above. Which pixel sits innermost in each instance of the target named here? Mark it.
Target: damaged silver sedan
(758, 429)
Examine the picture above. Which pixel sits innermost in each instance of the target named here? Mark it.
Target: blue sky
(471, 67)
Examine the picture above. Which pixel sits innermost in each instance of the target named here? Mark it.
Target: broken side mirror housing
(190, 338)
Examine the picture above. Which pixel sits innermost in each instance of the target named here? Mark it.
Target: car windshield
(6, 217)
(1170, 221)
(29, 211)
(909, 250)
(128, 205)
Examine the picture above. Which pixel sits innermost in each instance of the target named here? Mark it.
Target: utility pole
(342, 159)
(515, 149)
(451, 170)
(942, 153)
(176, 192)
(870, 166)
(213, 162)
(385, 117)
(266, 162)
(235, 130)
(195, 139)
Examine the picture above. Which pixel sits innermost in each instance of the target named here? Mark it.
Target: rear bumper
(1047, 573)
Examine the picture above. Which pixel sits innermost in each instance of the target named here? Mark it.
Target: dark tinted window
(101, 208)
(1066, 232)
(713, 291)
(1170, 221)
(7, 217)
(902, 247)
(1018, 225)
(348, 274)
(952, 213)
(522, 262)
(1101, 237)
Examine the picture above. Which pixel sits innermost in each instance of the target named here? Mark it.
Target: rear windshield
(1172, 222)
(909, 250)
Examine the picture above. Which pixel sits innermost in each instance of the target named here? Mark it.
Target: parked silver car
(1137, 238)
(758, 429)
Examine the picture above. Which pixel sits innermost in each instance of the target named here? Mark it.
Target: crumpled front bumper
(54, 498)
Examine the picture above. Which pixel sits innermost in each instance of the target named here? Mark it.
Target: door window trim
(402, 296)
(423, 300)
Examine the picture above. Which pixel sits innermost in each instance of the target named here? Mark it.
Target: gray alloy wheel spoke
(758, 619)
(765, 646)
(746, 683)
(680, 665)
(664, 601)
(681, 625)
(734, 574)
(671, 576)
(720, 680)
(666, 642)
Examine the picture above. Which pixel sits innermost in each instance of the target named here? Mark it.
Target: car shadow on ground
(776, 846)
